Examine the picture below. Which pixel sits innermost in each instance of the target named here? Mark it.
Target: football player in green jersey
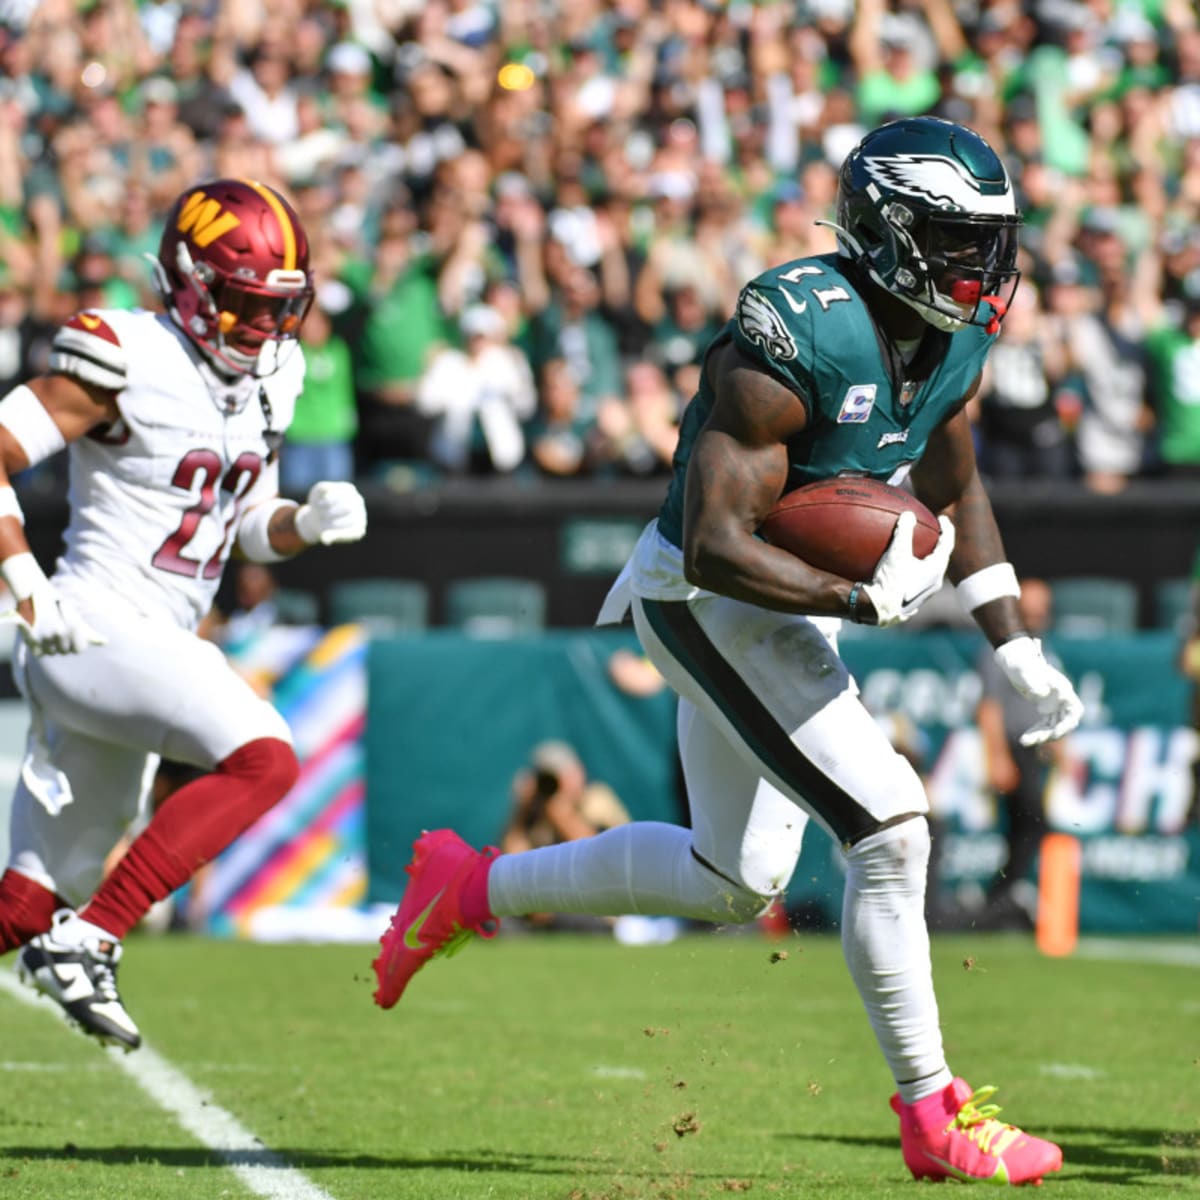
(862, 362)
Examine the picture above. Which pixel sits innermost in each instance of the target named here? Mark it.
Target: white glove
(1035, 679)
(334, 512)
(57, 628)
(903, 582)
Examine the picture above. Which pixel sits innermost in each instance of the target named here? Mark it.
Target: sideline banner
(451, 719)
(1125, 789)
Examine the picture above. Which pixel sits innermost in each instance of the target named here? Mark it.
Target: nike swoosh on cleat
(999, 1175)
(412, 933)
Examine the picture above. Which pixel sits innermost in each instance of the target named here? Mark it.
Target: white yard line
(264, 1172)
(1171, 954)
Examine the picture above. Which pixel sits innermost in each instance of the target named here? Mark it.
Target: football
(844, 525)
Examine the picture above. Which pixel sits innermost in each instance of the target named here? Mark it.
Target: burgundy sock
(191, 827)
(25, 909)
(475, 908)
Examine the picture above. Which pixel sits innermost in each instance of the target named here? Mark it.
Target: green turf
(574, 1069)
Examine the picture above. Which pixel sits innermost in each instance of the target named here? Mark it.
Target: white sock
(645, 867)
(886, 945)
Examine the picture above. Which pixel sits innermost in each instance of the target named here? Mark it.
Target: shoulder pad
(87, 349)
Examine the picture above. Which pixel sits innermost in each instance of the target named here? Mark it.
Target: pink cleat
(430, 919)
(954, 1134)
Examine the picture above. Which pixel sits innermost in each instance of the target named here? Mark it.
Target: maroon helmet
(233, 270)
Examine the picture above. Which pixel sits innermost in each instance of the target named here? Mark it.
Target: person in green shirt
(1174, 353)
(402, 326)
(320, 439)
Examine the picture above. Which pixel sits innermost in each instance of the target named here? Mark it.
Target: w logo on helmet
(204, 219)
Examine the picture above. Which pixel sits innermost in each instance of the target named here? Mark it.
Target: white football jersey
(156, 498)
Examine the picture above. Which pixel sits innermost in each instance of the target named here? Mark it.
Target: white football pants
(99, 722)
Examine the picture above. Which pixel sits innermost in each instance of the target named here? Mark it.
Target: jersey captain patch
(761, 324)
(856, 407)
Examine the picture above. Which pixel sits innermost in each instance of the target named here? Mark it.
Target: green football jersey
(806, 324)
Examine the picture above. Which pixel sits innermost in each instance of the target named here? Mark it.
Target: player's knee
(898, 848)
(26, 909)
(744, 906)
(270, 764)
(736, 901)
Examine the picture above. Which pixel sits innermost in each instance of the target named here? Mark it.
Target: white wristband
(254, 532)
(990, 583)
(10, 506)
(22, 574)
(26, 418)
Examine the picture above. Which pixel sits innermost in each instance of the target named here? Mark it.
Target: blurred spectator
(554, 801)
(478, 398)
(1103, 342)
(400, 293)
(1020, 431)
(572, 327)
(558, 436)
(265, 93)
(1189, 666)
(320, 439)
(637, 435)
(894, 59)
(253, 611)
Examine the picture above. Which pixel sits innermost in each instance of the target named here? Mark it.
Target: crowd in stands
(529, 217)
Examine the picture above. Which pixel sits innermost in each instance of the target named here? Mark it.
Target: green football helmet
(926, 209)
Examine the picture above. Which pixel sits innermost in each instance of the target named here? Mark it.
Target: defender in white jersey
(172, 421)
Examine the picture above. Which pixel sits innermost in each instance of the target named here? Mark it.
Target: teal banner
(451, 720)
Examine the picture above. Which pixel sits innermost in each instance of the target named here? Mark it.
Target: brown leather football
(843, 525)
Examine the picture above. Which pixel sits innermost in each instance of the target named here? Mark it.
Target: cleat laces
(104, 975)
(976, 1120)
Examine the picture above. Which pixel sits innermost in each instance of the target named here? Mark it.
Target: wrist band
(852, 602)
(25, 417)
(10, 506)
(990, 583)
(254, 531)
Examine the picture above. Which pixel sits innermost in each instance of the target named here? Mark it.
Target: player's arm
(274, 529)
(737, 471)
(947, 480)
(37, 419)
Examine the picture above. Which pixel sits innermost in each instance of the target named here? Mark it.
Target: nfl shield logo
(908, 389)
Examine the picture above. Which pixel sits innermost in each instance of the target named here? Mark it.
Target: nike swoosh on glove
(333, 512)
(903, 582)
(1036, 679)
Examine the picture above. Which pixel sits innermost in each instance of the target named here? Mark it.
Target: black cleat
(81, 977)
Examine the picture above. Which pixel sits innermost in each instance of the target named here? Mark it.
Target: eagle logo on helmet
(760, 322)
(939, 182)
